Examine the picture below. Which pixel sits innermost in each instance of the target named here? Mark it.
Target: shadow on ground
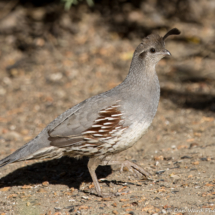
(198, 101)
(65, 171)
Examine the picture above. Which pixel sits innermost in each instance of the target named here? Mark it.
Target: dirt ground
(51, 59)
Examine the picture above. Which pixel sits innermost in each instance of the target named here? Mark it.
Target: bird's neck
(142, 88)
(142, 75)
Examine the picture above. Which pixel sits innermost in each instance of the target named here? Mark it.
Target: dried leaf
(45, 183)
(27, 187)
(12, 196)
(156, 158)
(128, 209)
(207, 119)
(83, 207)
(182, 147)
(124, 200)
(195, 163)
(190, 140)
(107, 199)
(41, 190)
(114, 204)
(91, 186)
(5, 189)
(120, 190)
(148, 208)
(209, 185)
(126, 205)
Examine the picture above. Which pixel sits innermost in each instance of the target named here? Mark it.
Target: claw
(135, 169)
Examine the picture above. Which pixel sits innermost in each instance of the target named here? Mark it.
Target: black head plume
(173, 31)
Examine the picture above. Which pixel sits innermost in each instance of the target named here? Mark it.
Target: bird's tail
(16, 156)
(32, 150)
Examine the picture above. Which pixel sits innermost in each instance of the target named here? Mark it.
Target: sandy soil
(81, 55)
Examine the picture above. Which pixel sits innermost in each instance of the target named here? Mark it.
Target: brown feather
(107, 121)
(110, 118)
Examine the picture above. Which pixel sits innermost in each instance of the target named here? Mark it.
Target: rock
(12, 135)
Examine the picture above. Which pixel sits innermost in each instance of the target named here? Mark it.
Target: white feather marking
(96, 126)
(114, 115)
(105, 138)
(102, 130)
(123, 129)
(108, 123)
(109, 108)
(89, 132)
(103, 111)
(50, 151)
(110, 118)
(112, 131)
(97, 135)
(98, 120)
(85, 145)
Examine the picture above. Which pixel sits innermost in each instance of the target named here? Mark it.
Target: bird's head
(152, 49)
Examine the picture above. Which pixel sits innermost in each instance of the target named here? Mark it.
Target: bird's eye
(152, 50)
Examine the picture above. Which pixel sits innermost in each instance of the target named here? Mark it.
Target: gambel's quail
(108, 123)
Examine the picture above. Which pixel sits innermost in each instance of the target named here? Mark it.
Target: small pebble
(186, 157)
(160, 172)
(45, 183)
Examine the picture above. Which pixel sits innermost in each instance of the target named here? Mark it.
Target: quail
(108, 123)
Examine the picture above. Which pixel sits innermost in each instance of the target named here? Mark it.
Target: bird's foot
(135, 169)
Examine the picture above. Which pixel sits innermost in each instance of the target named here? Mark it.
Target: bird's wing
(91, 121)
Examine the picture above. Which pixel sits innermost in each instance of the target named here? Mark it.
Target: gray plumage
(107, 123)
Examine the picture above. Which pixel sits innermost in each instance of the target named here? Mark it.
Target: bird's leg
(92, 165)
(95, 162)
(134, 168)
